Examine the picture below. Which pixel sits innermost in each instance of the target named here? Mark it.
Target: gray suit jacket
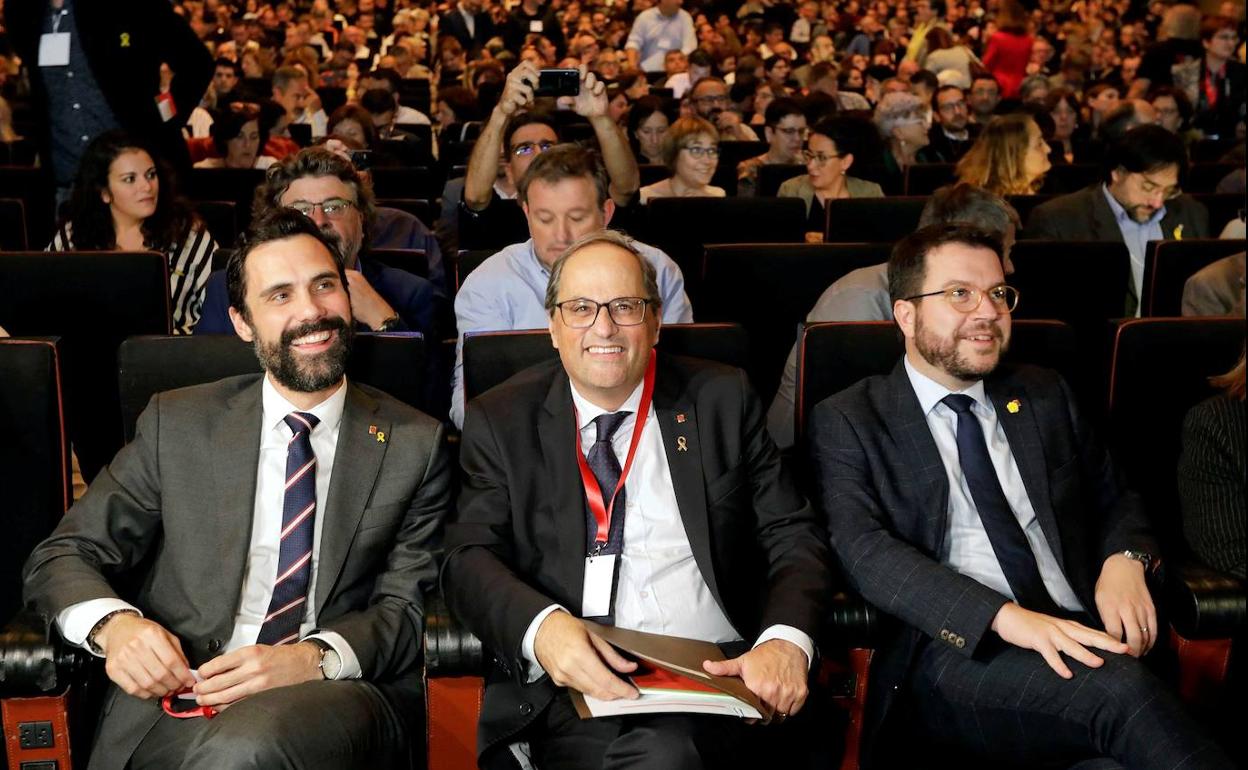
(179, 501)
(1086, 216)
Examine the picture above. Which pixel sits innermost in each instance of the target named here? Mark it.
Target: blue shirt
(1136, 235)
(508, 292)
(77, 109)
(654, 34)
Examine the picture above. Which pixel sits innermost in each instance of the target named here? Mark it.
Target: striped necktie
(294, 562)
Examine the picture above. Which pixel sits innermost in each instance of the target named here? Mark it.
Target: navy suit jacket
(885, 493)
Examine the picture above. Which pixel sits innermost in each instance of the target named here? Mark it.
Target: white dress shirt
(967, 549)
(660, 588)
(76, 621)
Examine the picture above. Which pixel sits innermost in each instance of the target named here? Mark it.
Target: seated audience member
(746, 570)
(522, 136)
(785, 131)
(124, 199)
(1126, 116)
(924, 84)
(1223, 79)
(1138, 200)
(388, 80)
(292, 90)
(902, 121)
(1034, 89)
(764, 95)
(456, 106)
(237, 139)
(1068, 144)
(327, 189)
(273, 125)
(1173, 108)
(354, 123)
(648, 121)
(698, 65)
(691, 153)
(952, 132)
(984, 96)
(776, 72)
(968, 500)
(831, 149)
(1010, 157)
(862, 294)
(711, 101)
(233, 479)
(1099, 101)
(1236, 227)
(1211, 475)
(826, 79)
(564, 196)
(1216, 289)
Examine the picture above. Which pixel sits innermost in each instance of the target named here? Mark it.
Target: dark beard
(308, 374)
(943, 354)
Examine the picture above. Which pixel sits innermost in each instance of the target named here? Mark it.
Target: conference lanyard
(601, 509)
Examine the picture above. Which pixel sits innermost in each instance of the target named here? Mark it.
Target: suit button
(214, 645)
(944, 634)
(526, 709)
(960, 643)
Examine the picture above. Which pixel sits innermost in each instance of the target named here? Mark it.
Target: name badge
(599, 580)
(54, 49)
(535, 25)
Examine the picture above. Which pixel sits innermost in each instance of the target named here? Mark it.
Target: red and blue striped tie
(294, 562)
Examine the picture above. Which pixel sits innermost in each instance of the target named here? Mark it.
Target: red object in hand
(185, 708)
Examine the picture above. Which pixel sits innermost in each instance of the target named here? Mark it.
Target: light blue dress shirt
(1136, 235)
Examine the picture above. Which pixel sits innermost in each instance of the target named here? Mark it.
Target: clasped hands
(1123, 604)
(146, 661)
(775, 670)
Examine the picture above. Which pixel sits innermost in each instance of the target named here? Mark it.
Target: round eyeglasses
(332, 208)
(581, 313)
(964, 299)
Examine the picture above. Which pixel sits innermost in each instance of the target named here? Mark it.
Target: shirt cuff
(533, 671)
(77, 620)
(350, 663)
(790, 634)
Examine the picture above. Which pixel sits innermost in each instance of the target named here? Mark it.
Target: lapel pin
(125, 39)
(1178, 233)
(381, 437)
(372, 430)
(1013, 406)
(681, 444)
(680, 417)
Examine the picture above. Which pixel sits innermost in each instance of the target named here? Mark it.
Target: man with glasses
(564, 197)
(952, 133)
(326, 188)
(967, 500)
(706, 538)
(1139, 200)
(711, 101)
(785, 129)
(518, 135)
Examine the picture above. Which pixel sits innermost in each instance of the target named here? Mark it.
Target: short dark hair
(907, 266)
(387, 74)
(520, 120)
(927, 78)
(314, 162)
(224, 62)
(1145, 149)
(781, 108)
(377, 101)
(228, 123)
(565, 161)
(851, 134)
(701, 58)
(275, 225)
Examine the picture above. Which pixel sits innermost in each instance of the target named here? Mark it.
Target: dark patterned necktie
(606, 468)
(294, 562)
(1009, 543)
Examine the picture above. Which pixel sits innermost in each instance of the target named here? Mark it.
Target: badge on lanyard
(600, 567)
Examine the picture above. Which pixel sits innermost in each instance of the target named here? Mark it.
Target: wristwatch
(390, 324)
(1143, 557)
(331, 661)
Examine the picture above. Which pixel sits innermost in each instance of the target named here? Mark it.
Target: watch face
(331, 664)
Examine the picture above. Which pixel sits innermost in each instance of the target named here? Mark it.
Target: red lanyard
(602, 511)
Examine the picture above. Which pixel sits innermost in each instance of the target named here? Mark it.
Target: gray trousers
(347, 724)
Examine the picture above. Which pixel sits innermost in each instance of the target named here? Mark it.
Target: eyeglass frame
(598, 306)
(701, 152)
(1149, 187)
(346, 205)
(979, 293)
(525, 149)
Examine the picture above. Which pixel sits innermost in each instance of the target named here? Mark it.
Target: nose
(1156, 199)
(317, 215)
(604, 326)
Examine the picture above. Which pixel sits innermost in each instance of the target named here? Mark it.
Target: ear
(767, 133)
(904, 312)
(554, 340)
(106, 196)
(846, 161)
(608, 211)
(1115, 177)
(241, 327)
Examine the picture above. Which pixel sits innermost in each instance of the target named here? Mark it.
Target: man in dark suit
(708, 539)
(970, 503)
(1139, 200)
(287, 523)
(470, 23)
(105, 73)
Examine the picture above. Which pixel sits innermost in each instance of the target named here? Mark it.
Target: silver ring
(1144, 629)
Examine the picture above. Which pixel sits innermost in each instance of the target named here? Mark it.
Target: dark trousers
(346, 724)
(1011, 707)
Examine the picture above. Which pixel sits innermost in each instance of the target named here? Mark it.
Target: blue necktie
(294, 561)
(606, 468)
(1009, 543)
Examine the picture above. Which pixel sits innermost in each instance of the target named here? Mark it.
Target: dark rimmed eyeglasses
(581, 313)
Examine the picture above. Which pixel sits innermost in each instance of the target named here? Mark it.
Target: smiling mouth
(605, 350)
(314, 340)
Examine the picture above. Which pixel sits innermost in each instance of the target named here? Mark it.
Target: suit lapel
(914, 436)
(234, 468)
(357, 461)
(557, 431)
(1104, 226)
(688, 480)
(1023, 434)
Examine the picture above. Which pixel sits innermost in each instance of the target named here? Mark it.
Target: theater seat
(1168, 265)
(1071, 280)
(872, 220)
(12, 225)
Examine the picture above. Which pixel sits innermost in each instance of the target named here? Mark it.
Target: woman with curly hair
(691, 152)
(1010, 157)
(123, 199)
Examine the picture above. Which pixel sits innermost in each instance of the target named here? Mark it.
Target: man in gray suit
(287, 524)
(970, 503)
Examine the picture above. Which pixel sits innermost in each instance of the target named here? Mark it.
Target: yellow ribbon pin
(681, 444)
(381, 437)
(1178, 233)
(125, 39)
(1013, 406)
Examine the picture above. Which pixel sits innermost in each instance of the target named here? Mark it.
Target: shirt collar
(537, 263)
(276, 407)
(587, 412)
(930, 393)
(1121, 215)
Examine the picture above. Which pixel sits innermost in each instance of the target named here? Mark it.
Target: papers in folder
(670, 678)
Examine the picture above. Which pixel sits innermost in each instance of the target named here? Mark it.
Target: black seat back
(1223, 207)
(925, 178)
(1204, 177)
(148, 365)
(1070, 280)
(414, 261)
(833, 356)
(421, 208)
(237, 185)
(730, 154)
(468, 260)
(34, 457)
(1169, 264)
(34, 188)
(772, 175)
(221, 220)
(12, 225)
(406, 182)
(93, 301)
(507, 226)
(490, 358)
(872, 220)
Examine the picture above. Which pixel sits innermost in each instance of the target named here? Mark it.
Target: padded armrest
(34, 660)
(450, 649)
(1204, 603)
(852, 621)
